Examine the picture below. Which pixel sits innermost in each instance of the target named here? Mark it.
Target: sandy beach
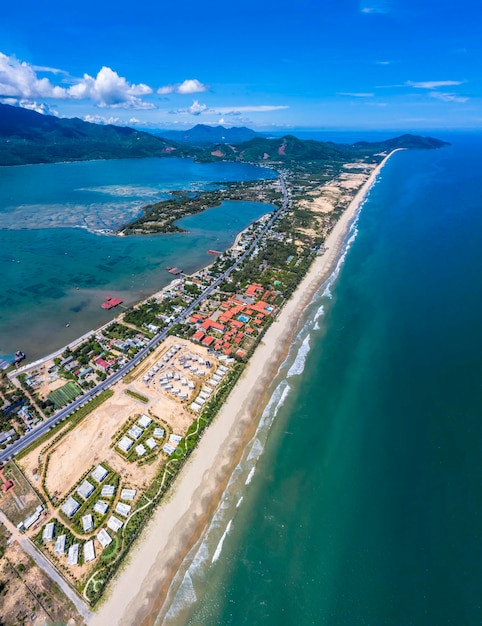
(140, 588)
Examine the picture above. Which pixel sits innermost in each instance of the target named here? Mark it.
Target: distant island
(27, 137)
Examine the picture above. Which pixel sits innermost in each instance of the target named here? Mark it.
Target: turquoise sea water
(55, 274)
(359, 502)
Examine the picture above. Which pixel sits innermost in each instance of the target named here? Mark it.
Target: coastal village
(82, 491)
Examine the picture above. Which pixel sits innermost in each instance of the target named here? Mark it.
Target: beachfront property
(158, 433)
(87, 523)
(48, 532)
(168, 449)
(60, 544)
(73, 554)
(101, 507)
(99, 474)
(89, 551)
(85, 490)
(70, 507)
(140, 450)
(144, 421)
(104, 538)
(151, 444)
(128, 494)
(135, 431)
(114, 523)
(107, 491)
(125, 444)
(123, 509)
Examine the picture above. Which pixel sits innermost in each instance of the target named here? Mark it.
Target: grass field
(62, 396)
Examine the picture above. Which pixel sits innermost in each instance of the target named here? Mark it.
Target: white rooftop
(99, 473)
(114, 523)
(101, 507)
(158, 433)
(87, 523)
(85, 489)
(70, 506)
(73, 554)
(144, 421)
(104, 538)
(107, 491)
(60, 544)
(123, 509)
(175, 439)
(89, 551)
(140, 450)
(168, 448)
(128, 494)
(151, 443)
(125, 444)
(48, 532)
(135, 431)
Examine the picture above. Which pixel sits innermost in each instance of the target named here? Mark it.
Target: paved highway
(62, 414)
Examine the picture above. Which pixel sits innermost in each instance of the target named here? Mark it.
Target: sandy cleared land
(90, 442)
(139, 590)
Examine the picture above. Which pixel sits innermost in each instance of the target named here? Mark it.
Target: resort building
(85, 489)
(48, 532)
(70, 507)
(104, 538)
(99, 473)
(101, 507)
(125, 444)
(89, 551)
(107, 491)
(73, 554)
(168, 448)
(60, 544)
(135, 431)
(123, 509)
(144, 421)
(151, 444)
(87, 523)
(141, 451)
(128, 494)
(114, 523)
(158, 433)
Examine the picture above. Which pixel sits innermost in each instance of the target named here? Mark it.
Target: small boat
(67, 325)
(214, 252)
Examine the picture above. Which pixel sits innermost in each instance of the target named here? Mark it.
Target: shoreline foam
(140, 589)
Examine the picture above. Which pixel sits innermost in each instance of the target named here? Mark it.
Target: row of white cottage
(135, 432)
(207, 390)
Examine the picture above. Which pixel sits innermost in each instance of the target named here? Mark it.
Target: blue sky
(366, 64)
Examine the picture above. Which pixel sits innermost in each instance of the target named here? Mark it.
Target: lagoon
(57, 271)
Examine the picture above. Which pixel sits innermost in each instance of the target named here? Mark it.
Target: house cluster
(237, 318)
(100, 508)
(138, 436)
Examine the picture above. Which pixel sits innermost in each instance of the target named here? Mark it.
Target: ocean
(359, 500)
(57, 270)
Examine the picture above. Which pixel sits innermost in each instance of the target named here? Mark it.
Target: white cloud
(383, 62)
(38, 107)
(101, 119)
(189, 86)
(107, 89)
(20, 80)
(356, 94)
(48, 70)
(447, 97)
(376, 6)
(197, 108)
(234, 110)
(433, 84)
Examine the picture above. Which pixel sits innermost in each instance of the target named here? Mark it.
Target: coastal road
(62, 414)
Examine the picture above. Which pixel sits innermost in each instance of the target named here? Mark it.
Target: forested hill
(202, 135)
(29, 137)
(290, 149)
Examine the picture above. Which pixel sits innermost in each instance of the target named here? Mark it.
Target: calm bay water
(360, 500)
(54, 274)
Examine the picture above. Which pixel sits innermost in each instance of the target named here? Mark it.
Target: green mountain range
(201, 135)
(29, 137)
